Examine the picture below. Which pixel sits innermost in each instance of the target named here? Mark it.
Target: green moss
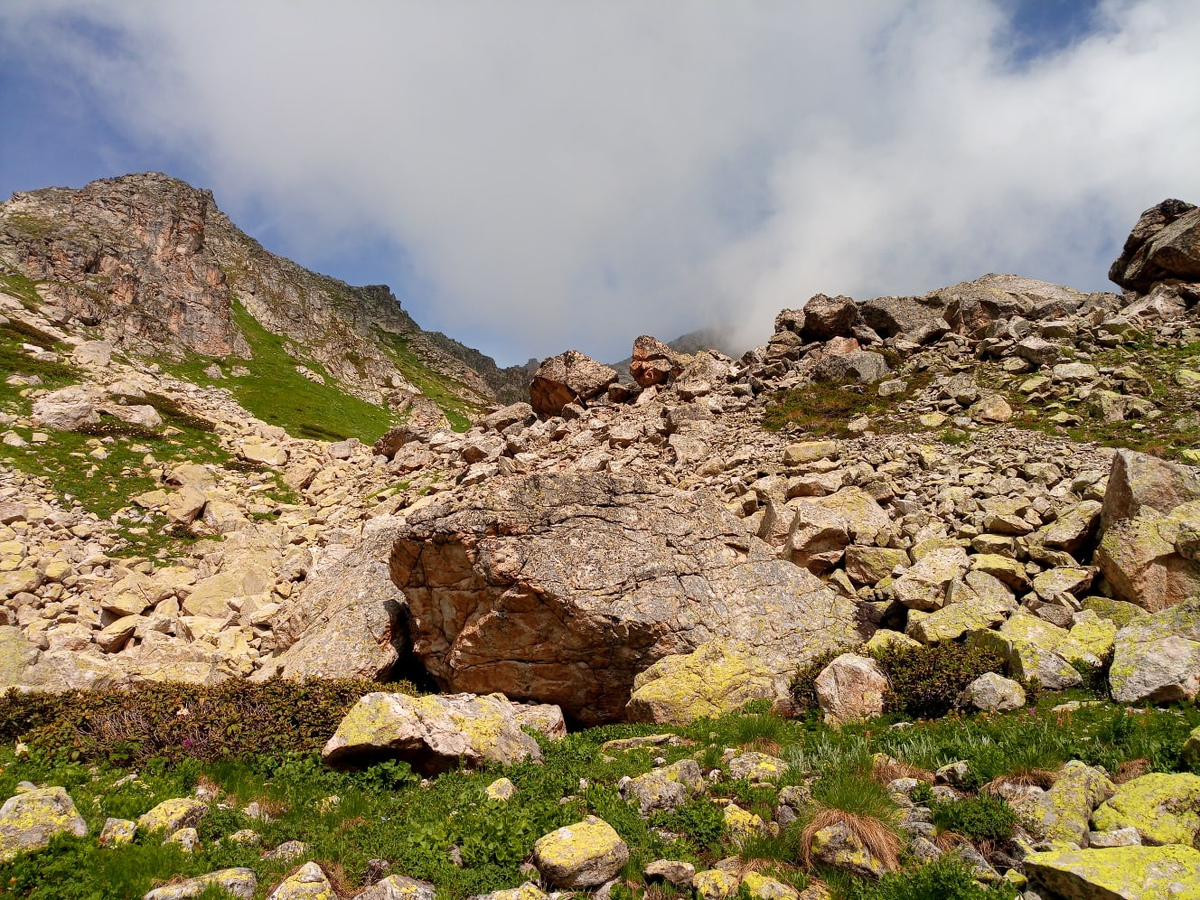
(20, 287)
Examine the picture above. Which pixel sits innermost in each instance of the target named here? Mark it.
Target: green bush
(700, 820)
(925, 682)
(979, 818)
(178, 721)
(945, 879)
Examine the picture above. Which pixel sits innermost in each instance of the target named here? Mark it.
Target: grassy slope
(276, 393)
(384, 813)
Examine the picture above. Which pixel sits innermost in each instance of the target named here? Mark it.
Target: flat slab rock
(561, 588)
(432, 734)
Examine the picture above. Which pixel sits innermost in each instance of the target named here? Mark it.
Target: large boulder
(653, 362)
(432, 734)
(579, 856)
(239, 882)
(1151, 560)
(915, 319)
(563, 587)
(1144, 485)
(718, 677)
(352, 621)
(1156, 658)
(29, 820)
(1062, 813)
(1164, 245)
(1121, 873)
(570, 377)
(1164, 807)
(850, 688)
(828, 317)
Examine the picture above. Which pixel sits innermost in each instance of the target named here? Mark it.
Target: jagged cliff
(159, 271)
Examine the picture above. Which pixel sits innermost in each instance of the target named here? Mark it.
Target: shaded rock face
(130, 250)
(570, 377)
(1164, 245)
(562, 588)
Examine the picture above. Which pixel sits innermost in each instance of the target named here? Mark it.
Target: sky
(533, 176)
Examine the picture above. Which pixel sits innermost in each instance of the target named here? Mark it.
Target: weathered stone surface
(653, 362)
(117, 831)
(837, 845)
(430, 733)
(851, 687)
(562, 588)
(974, 305)
(716, 678)
(580, 856)
(992, 691)
(863, 366)
(715, 884)
(353, 620)
(1062, 813)
(240, 883)
(828, 317)
(69, 408)
(1164, 244)
(1164, 807)
(1125, 873)
(307, 883)
(664, 788)
(399, 887)
(173, 814)
(755, 766)
(29, 820)
(1146, 559)
(672, 871)
(570, 377)
(925, 586)
(1140, 483)
(911, 318)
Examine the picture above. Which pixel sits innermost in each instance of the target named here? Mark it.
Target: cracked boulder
(562, 588)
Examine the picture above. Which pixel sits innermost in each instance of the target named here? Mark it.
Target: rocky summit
(218, 468)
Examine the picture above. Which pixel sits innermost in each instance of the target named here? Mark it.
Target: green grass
(20, 287)
(451, 395)
(276, 393)
(384, 812)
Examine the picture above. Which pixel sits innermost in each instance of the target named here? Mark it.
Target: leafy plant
(925, 682)
(982, 817)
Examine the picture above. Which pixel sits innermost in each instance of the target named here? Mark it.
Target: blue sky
(534, 176)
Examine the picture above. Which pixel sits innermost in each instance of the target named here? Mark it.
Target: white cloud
(574, 174)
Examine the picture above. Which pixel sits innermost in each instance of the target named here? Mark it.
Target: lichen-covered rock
(851, 687)
(431, 733)
(675, 872)
(837, 845)
(1062, 813)
(1191, 748)
(580, 856)
(240, 883)
(173, 814)
(30, 819)
(527, 891)
(1156, 658)
(1141, 558)
(1123, 873)
(741, 823)
(992, 691)
(1163, 807)
(716, 678)
(117, 831)
(755, 766)
(1034, 648)
(665, 788)
(715, 884)
(562, 588)
(762, 887)
(926, 585)
(501, 789)
(307, 883)
(399, 887)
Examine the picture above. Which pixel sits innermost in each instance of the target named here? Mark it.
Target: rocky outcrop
(562, 588)
(570, 377)
(1163, 246)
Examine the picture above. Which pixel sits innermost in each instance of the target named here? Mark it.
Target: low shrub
(945, 879)
(980, 818)
(178, 721)
(925, 682)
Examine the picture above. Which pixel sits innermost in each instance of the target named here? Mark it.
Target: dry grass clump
(879, 838)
